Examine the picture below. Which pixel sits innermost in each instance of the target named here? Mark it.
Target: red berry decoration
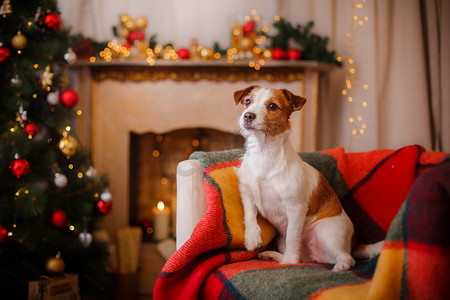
(31, 129)
(104, 207)
(69, 98)
(3, 234)
(52, 21)
(278, 53)
(294, 54)
(183, 53)
(5, 53)
(19, 167)
(59, 219)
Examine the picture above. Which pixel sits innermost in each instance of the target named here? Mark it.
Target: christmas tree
(51, 198)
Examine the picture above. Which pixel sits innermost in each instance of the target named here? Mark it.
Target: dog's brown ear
(238, 95)
(297, 102)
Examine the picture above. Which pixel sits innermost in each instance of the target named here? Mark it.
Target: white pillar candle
(161, 217)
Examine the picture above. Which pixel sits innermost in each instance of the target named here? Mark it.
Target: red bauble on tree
(68, 98)
(104, 207)
(19, 167)
(31, 129)
(59, 219)
(3, 234)
(52, 21)
(5, 54)
(294, 54)
(278, 53)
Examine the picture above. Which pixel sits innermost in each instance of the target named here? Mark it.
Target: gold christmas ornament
(6, 9)
(124, 33)
(124, 19)
(68, 145)
(141, 23)
(127, 22)
(207, 53)
(19, 41)
(246, 44)
(236, 33)
(55, 265)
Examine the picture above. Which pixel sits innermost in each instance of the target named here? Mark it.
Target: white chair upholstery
(191, 199)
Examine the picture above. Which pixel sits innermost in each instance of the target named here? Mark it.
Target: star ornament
(46, 78)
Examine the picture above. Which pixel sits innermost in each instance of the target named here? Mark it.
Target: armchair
(379, 192)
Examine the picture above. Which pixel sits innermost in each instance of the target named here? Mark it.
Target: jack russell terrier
(293, 196)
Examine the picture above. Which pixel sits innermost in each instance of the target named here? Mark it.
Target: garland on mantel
(311, 45)
(250, 41)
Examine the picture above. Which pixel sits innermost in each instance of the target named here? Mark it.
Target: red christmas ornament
(183, 53)
(294, 54)
(249, 27)
(104, 207)
(19, 167)
(31, 129)
(5, 53)
(132, 37)
(127, 45)
(69, 98)
(3, 234)
(278, 53)
(59, 219)
(52, 21)
(140, 35)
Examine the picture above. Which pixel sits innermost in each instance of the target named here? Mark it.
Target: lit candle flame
(160, 206)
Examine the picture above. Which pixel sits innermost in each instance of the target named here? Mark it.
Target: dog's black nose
(248, 117)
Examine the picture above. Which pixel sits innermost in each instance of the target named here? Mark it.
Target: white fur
(277, 183)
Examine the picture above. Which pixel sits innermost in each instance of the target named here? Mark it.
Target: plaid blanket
(372, 186)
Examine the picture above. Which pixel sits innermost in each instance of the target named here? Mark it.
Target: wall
(388, 55)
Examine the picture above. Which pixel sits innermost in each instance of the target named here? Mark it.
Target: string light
(351, 84)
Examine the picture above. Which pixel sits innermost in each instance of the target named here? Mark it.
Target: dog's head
(266, 110)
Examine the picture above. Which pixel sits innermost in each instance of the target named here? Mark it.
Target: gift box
(63, 287)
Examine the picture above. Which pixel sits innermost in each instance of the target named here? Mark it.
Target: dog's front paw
(344, 264)
(290, 259)
(252, 238)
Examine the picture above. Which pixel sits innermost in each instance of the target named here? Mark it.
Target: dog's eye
(273, 106)
(247, 102)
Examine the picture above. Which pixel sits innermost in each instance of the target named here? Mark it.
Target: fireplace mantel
(123, 96)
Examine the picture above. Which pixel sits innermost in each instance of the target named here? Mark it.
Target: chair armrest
(191, 199)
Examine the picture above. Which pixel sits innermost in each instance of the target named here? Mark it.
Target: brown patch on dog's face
(239, 95)
(279, 109)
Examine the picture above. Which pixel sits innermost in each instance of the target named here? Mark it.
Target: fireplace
(131, 108)
(153, 165)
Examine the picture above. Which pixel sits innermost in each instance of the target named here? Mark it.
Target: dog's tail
(367, 252)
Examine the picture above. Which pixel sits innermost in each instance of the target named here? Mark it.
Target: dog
(292, 195)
